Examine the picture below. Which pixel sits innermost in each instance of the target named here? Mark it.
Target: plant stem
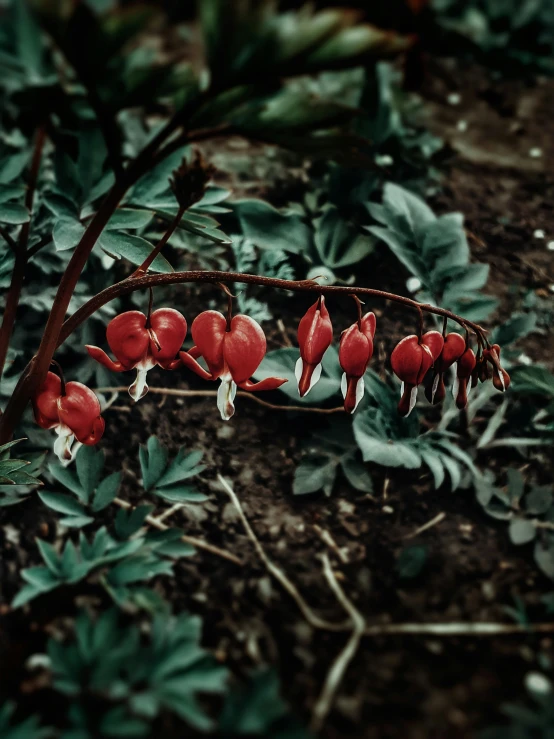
(18, 274)
(145, 266)
(210, 277)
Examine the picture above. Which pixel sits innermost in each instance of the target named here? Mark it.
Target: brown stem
(8, 239)
(308, 286)
(18, 274)
(359, 309)
(145, 266)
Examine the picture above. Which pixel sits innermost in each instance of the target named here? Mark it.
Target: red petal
(79, 409)
(244, 348)
(409, 361)
(208, 332)
(315, 332)
(269, 383)
(170, 328)
(45, 402)
(128, 338)
(355, 351)
(190, 362)
(101, 356)
(434, 342)
(369, 324)
(466, 364)
(454, 347)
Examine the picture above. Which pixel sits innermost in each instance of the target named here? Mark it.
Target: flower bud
(315, 334)
(355, 352)
(411, 359)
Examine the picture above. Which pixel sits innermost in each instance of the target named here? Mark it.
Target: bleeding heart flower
(141, 343)
(411, 359)
(315, 334)
(232, 352)
(500, 378)
(454, 347)
(464, 372)
(355, 352)
(73, 410)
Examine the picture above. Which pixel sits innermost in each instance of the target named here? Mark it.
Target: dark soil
(397, 687)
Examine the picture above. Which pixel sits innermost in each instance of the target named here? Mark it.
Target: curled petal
(188, 360)
(410, 361)
(63, 444)
(269, 383)
(101, 357)
(355, 351)
(454, 347)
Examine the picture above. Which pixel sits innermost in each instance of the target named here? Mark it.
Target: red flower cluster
(233, 347)
(73, 410)
(415, 359)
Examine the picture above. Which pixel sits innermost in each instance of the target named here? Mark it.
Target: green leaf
(89, 465)
(533, 380)
(106, 491)
(67, 233)
(539, 500)
(28, 42)
(522, 531)
(62, 503)
(314, 474)
(153, 462)
(124, 218)
(13, 213)
(269, 228)
(118, 244)
(356, 473)
(180, 494)
(65, 476)
(338, 242)
(516, 327)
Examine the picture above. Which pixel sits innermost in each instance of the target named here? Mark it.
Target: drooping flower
(500, 378)
(73, 410)
(355, 352)
(411, 359)
(141, 343)
(232, 352)
(464, 371)
(454, 347)
(315, 334)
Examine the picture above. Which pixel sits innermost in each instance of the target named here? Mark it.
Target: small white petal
(298, 367)
(401, 388)
(343, 384)
(316, 374)
(63, 444)
(226, 393)
(139, 388)
(435, 386)
(413, 399)
(455, 387)
(360, 388)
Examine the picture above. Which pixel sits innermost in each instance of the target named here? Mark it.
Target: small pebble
(413, 284)
(551, 288)
(462, 126)
(454, 98)
(539, 233)
(387, 509)
(550, 246)
(535, 152)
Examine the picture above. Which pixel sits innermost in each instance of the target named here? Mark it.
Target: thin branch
(213, 394)
(10, 241)
(145, 266)
(129, 285)
(344, 658)
(312, 618)
(433, 522)
(198, 543)
(21, 256)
